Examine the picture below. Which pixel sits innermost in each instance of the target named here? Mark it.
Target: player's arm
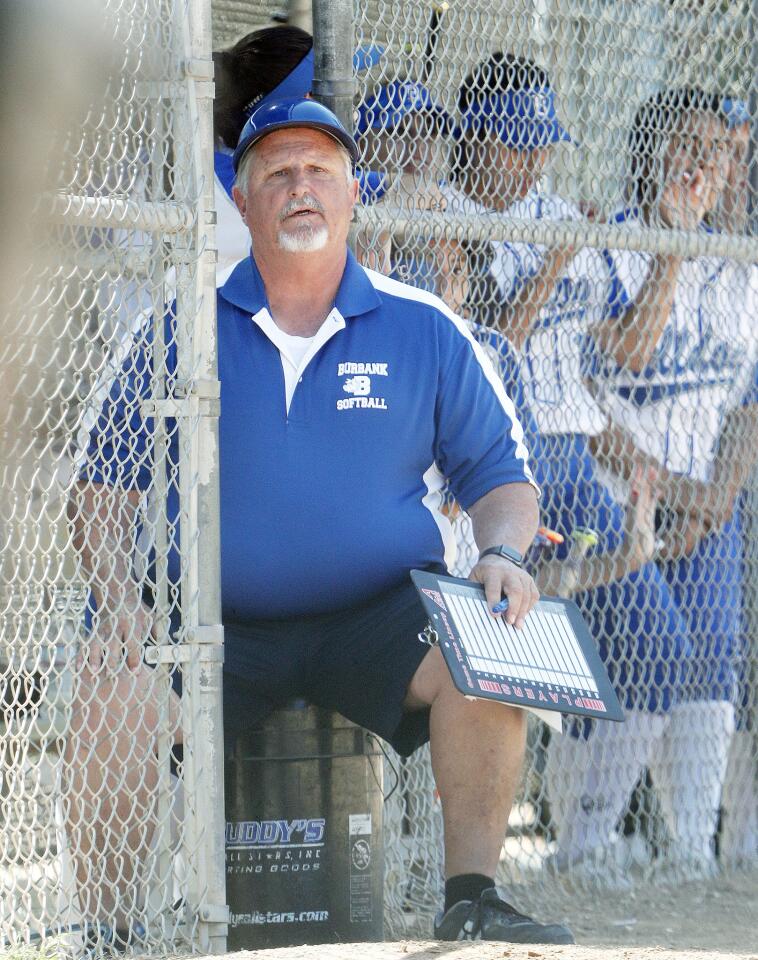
(630, 335)
(639, 546)
(520, 311)
(103, 519)
(616, 449)
(703, 507)
(103, 507)
(715, 501)
(736, 459)
(508, 515)
(453, 274)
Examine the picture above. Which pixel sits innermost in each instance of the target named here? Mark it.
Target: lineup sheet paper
(550, 666)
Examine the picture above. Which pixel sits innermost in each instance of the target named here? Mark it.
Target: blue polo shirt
(336, 499)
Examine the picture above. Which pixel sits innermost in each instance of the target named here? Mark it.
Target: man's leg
(110, 801)
(477, 752)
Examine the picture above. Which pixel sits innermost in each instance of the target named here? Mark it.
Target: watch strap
(504, 551)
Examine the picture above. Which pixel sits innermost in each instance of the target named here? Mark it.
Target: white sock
(688, 768)
(591, 781)
(739, 800)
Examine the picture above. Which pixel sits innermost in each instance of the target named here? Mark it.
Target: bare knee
(430, 680)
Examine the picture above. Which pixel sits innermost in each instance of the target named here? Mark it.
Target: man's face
(700, 141)
(413, 146)
(511, 173)
(299, 196)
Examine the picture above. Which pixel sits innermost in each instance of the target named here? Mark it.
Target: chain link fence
(577, 179)
(106, 842)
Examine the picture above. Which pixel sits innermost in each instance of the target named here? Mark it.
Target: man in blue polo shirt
(348, 401)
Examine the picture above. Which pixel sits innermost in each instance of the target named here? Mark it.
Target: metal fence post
(333, 44)
(203, 676)
(333, 83)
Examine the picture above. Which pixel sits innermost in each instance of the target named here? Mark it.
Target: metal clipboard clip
(429, 635)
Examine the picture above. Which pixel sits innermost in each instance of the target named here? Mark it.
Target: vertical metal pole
(205, 634)
(333, 45)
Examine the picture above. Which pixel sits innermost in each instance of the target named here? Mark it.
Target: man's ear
(240, 200)
(356, 191)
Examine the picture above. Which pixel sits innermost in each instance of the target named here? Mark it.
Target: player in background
(731, 214)
(546, 301)
(401, 133)
(676, 370)
(738, 841)
(268, 64)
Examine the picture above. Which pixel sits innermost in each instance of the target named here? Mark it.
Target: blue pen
(501, 607)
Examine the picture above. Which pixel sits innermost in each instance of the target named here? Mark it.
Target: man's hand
(499, 577)
(121, 627)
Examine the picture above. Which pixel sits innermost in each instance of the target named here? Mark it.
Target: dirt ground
(696, 921)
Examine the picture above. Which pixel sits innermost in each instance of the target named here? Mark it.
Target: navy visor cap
(284, 114)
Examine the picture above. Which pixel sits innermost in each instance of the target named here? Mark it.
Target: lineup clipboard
(551, 664)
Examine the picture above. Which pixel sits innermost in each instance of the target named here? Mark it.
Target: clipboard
(551, 666)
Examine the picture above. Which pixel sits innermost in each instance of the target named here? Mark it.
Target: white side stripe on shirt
(407, 292)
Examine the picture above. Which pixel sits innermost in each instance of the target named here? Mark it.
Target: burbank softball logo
(357, 382)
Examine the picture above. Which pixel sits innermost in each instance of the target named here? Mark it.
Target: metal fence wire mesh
(102, 839)
(577, 179)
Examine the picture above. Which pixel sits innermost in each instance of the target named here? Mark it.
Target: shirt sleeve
(750, 396)
(628, 271)
(121, 445)
(479, 441)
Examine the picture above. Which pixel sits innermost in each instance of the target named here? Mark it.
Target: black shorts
(358, 661)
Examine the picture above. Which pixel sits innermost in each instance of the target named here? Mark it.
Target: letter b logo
(358, 386)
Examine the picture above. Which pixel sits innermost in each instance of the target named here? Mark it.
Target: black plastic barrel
(304, 860)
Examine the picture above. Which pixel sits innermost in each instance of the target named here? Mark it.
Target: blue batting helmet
(296, 112)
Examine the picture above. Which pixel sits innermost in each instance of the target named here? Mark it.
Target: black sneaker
(101, 940)
(490, 918)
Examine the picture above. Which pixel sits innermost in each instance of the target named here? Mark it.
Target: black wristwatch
(507, 553)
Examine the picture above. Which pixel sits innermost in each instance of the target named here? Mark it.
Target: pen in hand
(500, 607)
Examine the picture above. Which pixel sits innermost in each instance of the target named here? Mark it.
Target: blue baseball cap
(284, 114)
(396, 100)
(522, 119)
(736, 112)
(299, 80)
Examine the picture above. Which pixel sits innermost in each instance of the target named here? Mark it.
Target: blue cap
(372, 185)
(396, 100)
(736, 111)
(522, 119)
(299, 80)
(283, 114)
